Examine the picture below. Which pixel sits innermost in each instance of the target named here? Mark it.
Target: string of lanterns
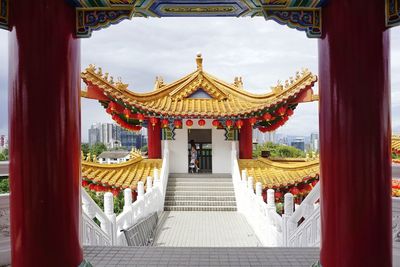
(265, 121)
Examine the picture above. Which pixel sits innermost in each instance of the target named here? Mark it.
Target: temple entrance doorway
(202, 140)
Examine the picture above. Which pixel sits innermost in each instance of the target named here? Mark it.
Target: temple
(199, 101)
(348, 219)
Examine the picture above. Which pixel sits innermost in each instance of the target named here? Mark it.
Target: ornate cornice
(392, 13)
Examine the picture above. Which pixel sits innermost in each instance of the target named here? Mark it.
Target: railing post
(149, 184)
(271, 198)
(259, 190)
(127, 200)
(156, 176)
(87, 208)
(140, 190)
(109, 212)
(288, 212)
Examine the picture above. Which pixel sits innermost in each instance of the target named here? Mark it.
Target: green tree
(278, 151)
(85, 148)
(4, 155)
(97, 149)
(4, 185)
(144, 148)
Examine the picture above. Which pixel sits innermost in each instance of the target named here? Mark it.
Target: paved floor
(167, 256)
(204, 229)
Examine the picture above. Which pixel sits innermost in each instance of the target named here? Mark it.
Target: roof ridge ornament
(199, 61)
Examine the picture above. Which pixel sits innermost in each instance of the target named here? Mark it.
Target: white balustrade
(261, 218)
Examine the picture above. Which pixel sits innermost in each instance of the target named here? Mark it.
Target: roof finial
(199, 61)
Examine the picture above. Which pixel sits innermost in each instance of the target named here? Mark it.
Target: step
(201, 180)
(201, 203)
(199, 208)
(200, 198)
(200, 175)
(200, 188)
(201, 194)
(200, 183)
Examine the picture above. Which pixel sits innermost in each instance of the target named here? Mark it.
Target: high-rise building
(114, 136)
(261, 138)
(314, 142)
(298, 143)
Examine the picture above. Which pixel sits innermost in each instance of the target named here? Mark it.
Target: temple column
(154, 141)
(246, 141)
(355, 134)
(44, 124)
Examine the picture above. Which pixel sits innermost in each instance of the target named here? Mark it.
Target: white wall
(221, 149)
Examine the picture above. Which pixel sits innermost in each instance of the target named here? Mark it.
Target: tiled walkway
(205, 229)
(219, 257)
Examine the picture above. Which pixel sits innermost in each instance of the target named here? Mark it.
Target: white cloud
(259, 51)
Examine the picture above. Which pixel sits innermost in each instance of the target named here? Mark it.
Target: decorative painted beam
(89, 20)
(304, 15)
(4, 14)
(392, 13)
(308, 20)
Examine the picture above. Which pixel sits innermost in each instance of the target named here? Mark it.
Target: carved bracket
(88, 20)
(392, 13)
(4, 14)
(308, 20)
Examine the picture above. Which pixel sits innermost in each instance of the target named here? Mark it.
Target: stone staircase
(200, 192)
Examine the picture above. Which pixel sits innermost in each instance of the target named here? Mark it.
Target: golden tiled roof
(396, 144)
(279, 174)
(224, 99)
(122, 175)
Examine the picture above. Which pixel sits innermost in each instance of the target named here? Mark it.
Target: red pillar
(154, 141)
(246, 141)
(355, 135)
(44, 123)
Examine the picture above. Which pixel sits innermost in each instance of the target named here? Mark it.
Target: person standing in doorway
(193, 157)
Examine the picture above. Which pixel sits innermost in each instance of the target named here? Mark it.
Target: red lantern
(201, 122)
(108, 110)
(294, 190)
(153, 121)
(289, 112)
(85, 183)
(92, 187)
(239, 124)
(229, 123)
(215, 123)
(178, 124)
(267, 116)
(164, 123)
(253, 121)
(281, 111)
(189, 123)
(278, 194)
(113, 106)
(314, 183)
(127, 113)
(140, 117)
(114, 117)
(115, 191)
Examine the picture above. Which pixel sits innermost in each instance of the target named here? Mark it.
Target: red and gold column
(355, 135)
(44, 124)
(246, 140)
(154, 140)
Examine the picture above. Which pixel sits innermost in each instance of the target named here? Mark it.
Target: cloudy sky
(259, 51)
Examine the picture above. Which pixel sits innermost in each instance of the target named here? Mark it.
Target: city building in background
(3, 142)
(262, 138)
(314, 142)
(298, 143)
(114, 136)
